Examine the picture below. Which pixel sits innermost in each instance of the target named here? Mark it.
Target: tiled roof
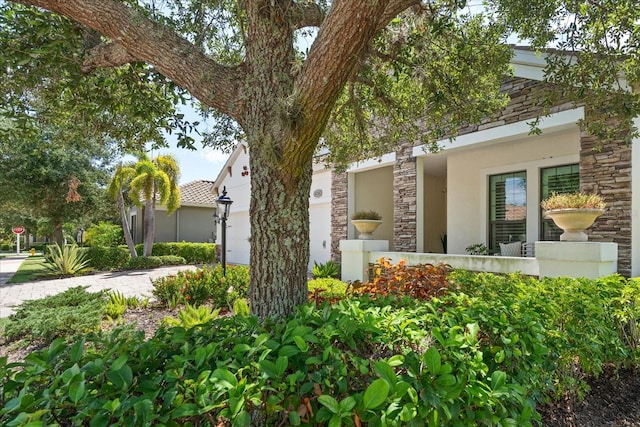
(197, 193)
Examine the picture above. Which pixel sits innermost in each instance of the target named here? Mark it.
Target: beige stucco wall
(467, 181)
(435, 212)
(373, 190)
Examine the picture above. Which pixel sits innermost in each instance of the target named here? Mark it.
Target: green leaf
(119, 362)
(225, 377)
(269, 368)
(432, 360)
(185, 410)
(144, 411)
(347, 404)
(386, 372)
(335, 421)
(242, 420)
(121, 378)
(498, 379)
(200, 356)
(77, 391)
(301, 343)
(396, 360)
(76, 351)
(375, 394)
(330, 403)
(294, 418)
(288, 351)
(281, 365)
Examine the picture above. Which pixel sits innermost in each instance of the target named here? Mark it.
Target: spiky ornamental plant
(66, 260)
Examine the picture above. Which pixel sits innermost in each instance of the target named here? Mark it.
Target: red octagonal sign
(18, 230)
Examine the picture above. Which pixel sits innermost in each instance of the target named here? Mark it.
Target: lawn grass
(32, 268)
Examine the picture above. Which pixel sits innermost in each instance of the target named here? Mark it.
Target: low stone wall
(489, 264)
(553, 259)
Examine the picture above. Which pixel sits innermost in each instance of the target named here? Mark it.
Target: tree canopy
(376, 73)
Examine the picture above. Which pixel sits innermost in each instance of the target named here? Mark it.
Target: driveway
(130, 283)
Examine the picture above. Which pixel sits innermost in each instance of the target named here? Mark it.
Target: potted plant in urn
(366, 222)
(573, 213)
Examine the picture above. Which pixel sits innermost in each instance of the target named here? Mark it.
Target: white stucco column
(577, 259)
(355, 257)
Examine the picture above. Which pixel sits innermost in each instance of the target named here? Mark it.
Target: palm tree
(154, 180)
(118, 186)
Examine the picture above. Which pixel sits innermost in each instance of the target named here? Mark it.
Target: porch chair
(520, 249)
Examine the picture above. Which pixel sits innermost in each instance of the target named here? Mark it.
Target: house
(235, 176)
(191, 222)
(486, 185)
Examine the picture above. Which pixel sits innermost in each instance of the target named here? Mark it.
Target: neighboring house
(236, 177)
(191, 222)
(486, 185)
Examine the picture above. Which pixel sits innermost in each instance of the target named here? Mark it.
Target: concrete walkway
(130, 283)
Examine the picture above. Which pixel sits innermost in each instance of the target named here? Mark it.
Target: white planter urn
(574, 222)
(366, 227)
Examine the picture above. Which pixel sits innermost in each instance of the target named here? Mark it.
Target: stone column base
(577, 259)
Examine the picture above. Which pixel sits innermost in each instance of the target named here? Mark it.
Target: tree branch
(306, 14)
(106, 55)
(135, 37)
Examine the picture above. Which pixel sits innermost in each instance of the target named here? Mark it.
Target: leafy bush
(421, 281)
(327, 269)
(6, 247)
(326, 289)
(193, 253)
(585, 322)
(154, 261)
(108, 258)
(191, 316)
(203, 284)
(356, 360)
(484, 353)
(69, 313)
(68, 260)
(104, 234)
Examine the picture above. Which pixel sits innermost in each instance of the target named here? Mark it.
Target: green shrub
(5, 247)
(584, 321)
(141, 262)
(68, 260)
(328, 288)
(104, 234)
(203, 284)
(327, 269)
(485, 353)
(108, 258)
(71, 312)
(193, 253)
(356, 358)
(240, 307)
(191, 316)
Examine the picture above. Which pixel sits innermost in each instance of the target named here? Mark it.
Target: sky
(200, 164)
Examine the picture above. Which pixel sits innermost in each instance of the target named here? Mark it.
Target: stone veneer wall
(607, 172)
(339, 220)
(404, 200)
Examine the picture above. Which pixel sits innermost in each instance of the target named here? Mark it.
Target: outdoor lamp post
(224, 206)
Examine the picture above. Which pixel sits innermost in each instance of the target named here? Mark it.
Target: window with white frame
(507, 209)
(557, 179)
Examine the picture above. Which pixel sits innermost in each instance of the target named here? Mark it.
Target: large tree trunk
(149, 222)
(279, 238)
(125, 226)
